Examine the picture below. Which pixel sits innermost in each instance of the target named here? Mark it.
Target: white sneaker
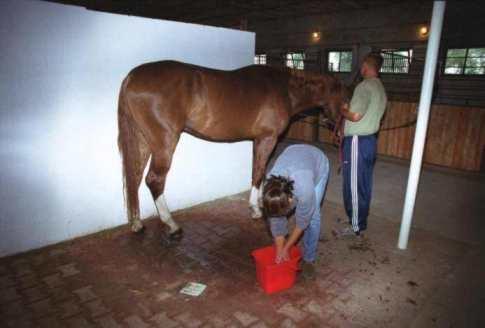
(345, 232)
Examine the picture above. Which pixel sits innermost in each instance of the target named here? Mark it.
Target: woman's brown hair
(277, 192)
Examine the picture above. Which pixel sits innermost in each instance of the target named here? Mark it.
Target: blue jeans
(311, 234)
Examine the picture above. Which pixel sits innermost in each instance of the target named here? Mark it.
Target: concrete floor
(119, 279)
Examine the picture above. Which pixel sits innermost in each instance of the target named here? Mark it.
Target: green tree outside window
(467, 61)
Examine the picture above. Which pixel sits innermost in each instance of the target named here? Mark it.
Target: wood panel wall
(305, 129)
(455, 139)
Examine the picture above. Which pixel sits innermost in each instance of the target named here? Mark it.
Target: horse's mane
(301, 79)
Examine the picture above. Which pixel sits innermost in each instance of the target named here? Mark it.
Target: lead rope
(338, 139)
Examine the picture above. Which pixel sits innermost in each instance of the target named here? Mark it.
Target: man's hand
(351, 116)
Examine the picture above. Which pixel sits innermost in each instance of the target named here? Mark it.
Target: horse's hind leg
(262, 149)
(162, 152)
(134, 180)
(134, 154)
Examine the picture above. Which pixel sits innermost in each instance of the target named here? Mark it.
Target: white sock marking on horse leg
(136, 224)
(253, 197)
(164, 213)
(254, 202)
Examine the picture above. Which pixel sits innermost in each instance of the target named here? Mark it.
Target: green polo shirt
(370, 100)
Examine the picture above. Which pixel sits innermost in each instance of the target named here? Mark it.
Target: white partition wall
(61, 68)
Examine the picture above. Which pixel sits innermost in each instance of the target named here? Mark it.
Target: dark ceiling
(287, 23)
(235, 14)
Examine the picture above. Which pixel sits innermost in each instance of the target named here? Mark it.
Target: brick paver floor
(120, 279)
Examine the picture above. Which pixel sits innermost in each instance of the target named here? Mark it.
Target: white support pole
(422, 122)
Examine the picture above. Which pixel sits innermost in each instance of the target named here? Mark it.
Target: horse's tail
(134, 155)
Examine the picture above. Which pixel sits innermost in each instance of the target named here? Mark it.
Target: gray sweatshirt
(306, 166)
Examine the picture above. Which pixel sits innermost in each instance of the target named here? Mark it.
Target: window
(260, 59)
(339, 61)
(295, 60)
(396, 61)
(468, 61)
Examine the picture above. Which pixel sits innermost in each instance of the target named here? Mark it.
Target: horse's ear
(297, 81)
(336, 85)
(339, 89)
(315, 85)
(345, 91)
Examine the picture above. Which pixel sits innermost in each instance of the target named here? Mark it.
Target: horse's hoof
(256, 213)
(172, 239)
(176, 235)
(137, 227)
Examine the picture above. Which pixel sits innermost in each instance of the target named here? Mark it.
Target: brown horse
(158, 101)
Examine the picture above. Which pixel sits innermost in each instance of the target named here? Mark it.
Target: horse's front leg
(262, 148)
(254, 201)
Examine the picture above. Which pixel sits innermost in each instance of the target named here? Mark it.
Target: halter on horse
(158, 101)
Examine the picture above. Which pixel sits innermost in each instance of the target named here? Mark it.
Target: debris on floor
(193, 289)
(121, 279)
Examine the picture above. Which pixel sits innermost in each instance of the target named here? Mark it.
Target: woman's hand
(281, 251)
(282, 255)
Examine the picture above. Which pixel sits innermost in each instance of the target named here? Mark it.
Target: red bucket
(275, 277)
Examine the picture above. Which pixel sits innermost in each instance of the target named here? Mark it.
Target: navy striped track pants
(359, 155)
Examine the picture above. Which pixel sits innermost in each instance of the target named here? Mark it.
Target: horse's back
(202, 97)
(174, 69)
(161, 71)
(166, 78)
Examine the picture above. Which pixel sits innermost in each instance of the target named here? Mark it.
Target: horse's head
(335, 94)
(316, 90)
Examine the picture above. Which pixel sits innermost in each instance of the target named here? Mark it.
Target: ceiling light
(423, 31)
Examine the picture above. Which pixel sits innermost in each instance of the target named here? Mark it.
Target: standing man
(297, 179)
(362, 121)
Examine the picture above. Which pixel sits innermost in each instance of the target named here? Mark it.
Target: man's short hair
(277, 192)
(375, 60)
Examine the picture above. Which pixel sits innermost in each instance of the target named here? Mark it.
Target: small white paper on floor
(193, 289)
